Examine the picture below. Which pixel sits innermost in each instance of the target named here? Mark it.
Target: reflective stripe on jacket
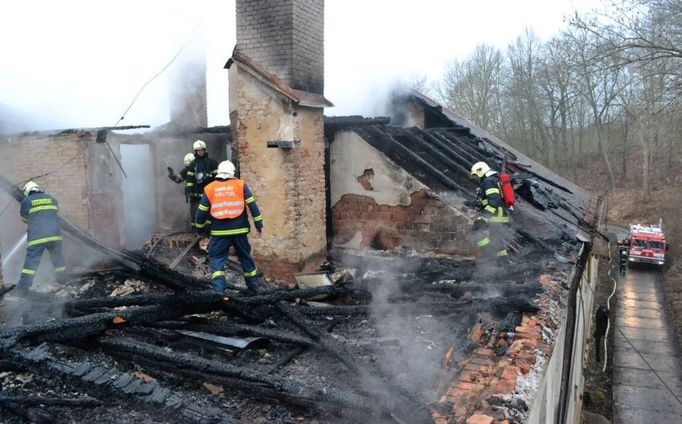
(491, 200)
(225, 226)
(204, 167)
(226, 198)
(40, 212)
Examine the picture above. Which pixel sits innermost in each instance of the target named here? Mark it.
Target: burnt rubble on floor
(383, 347)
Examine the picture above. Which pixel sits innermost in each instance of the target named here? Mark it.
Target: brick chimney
(286, 37)
(188, 88)
(276, 114)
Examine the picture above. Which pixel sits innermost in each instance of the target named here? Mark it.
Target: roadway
(644, 352)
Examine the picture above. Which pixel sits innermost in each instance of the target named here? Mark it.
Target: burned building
(112, 181)
(405, 326)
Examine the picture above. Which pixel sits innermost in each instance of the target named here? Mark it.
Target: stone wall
(288, 184)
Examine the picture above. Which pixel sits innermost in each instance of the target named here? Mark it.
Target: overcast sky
(80, 63)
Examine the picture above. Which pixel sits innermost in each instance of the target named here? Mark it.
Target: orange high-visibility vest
(226, 197)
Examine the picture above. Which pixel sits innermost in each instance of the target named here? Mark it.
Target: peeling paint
(351, 156)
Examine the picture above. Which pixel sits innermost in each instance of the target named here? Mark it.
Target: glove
(171, 174)
(470, 203)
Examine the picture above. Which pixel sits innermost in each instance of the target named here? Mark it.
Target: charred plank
(289, 387)
(28, 400)
(393, 398)
(117, 383)
(88, 325)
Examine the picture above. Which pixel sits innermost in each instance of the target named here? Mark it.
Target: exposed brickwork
(28, 156)
(288, 184)
(286, 37)
(427, 224)
(490, 374)
(480, 419)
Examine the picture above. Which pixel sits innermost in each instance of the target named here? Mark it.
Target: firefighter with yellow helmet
(489, 226)
(198, 172)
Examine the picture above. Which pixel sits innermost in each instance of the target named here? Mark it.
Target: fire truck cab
(646, 244)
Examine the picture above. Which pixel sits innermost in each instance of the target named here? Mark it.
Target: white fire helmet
(479, 169)
(189, 157)
(29, 187)
(199, 145)
(225, 169)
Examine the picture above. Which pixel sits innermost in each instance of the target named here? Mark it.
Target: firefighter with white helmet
(489, 226)
(189, 157)
(224, 203)
(198, 172)
(40, 211)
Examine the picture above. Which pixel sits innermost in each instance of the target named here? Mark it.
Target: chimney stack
(286, 37)
(276, 115)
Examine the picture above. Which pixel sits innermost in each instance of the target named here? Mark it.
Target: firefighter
(488, 228)
(189, 157)
(40, 211)
(224, 202)
(197, 174)
(623, 261)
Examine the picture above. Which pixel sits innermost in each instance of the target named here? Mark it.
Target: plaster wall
(377, 204)
(288, 184)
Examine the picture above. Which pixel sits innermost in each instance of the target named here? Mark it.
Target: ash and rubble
(121, 346)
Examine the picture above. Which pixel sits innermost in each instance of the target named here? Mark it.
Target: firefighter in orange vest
(224, 203)
(489, 227)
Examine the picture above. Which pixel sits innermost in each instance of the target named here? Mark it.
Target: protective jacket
(40, 211)
(197, 175)
(623, 257)
(490, 200)
(223, 205)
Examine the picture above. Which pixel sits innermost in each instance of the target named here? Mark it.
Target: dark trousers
(490, 240)
(193, 205)
(33, 255)
(218, 250)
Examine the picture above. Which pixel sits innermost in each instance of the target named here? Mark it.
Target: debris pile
(367, 345)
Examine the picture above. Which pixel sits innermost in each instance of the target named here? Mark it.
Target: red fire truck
(646, 243)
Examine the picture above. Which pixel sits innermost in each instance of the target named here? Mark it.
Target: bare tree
(523, 57)
(471, 86)
(624, 30)
(421, 84)
(599, 87)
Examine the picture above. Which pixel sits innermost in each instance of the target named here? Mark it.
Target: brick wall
(26, 156)
(375, 200)
(427, 224)
(286, 37)
(29, 155)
